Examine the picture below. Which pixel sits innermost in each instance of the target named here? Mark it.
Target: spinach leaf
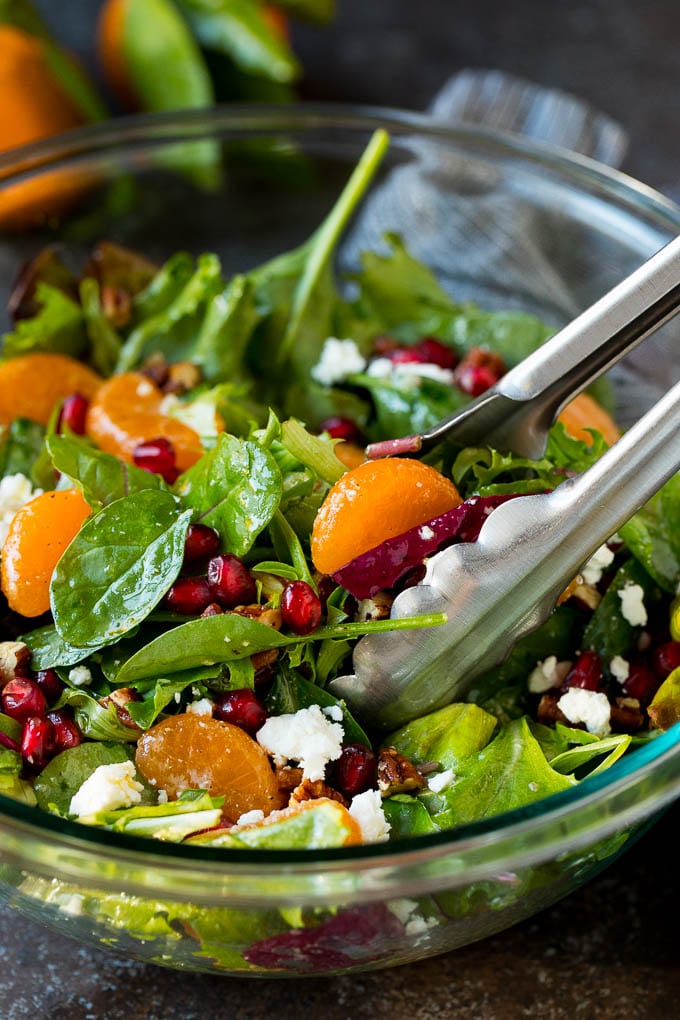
(21, 443)
(48, 649)
(407, 816)
(158, 694)
(608, 632)
(290, 693)
(401, 411)
(226, 329)
(118, 568)
(448, 736)
(101, 477)
(234, 488)
(57, 326)
(509, 772)
(65, 774)
(653, 535)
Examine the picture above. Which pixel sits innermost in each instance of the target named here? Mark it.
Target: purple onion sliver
(383, 566)
(10, 744)
(394, 447)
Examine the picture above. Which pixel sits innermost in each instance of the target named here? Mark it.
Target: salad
(193, 541)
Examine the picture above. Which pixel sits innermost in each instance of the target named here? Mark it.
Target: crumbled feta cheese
(426, 532)
(334, 712)
(109, 787)
(339, 359)
(380, 368)
(306, 736)
(547, 674)
(441, 780)
(590, 707)
(80, 676)
(632, 605)
(202, 707)
(250, 817)
(367, 809)
(408, 374)
(15, 491)
(163, 797)
(597, 564)
(619, 668)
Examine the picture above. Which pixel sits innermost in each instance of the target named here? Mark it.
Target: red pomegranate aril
(436, 353)
(73, 414)
(666, 658)
(641, 683)
(300, 607)
(474, 379)
(189, 596)
(586, 672)
(407, 356)
(49, 683)
(355, 771)
(230, 582)
(241, 708)
(201, 542)
(22, 698)
(66, 730)
(342, 428)
(37, 741)
(157, 456)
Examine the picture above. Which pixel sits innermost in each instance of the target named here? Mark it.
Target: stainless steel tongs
(504, 585)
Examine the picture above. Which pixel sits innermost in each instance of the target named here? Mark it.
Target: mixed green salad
(173, 681)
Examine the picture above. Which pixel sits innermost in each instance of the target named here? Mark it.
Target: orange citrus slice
(32, 384)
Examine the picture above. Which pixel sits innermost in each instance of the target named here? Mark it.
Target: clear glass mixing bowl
(502, 222)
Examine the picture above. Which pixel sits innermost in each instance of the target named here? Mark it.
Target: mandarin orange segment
(584, 413)
(32, 384)
(127, 411)
(373, 502)
(38, 534)
(349, 454)
(194, 752)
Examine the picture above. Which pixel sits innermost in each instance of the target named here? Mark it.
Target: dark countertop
(611, 950)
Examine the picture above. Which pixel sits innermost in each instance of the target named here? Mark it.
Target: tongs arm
(517, 412)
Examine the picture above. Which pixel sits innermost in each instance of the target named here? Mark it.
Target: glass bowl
(504, 222)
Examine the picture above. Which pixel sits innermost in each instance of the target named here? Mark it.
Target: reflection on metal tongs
(505, 584)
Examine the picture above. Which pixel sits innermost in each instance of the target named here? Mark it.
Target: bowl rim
(145, 130)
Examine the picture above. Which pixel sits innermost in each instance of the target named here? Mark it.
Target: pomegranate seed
(641, 683)
(300, 607)
(214, 609)
(73, 414)
(437, 353)
(189, 595)
(50, 684)
(474, 379)
(586, 672)
(407, 356)
(666, 658)
(355, 771)
(157, 456)
(37, 741)
(201, 542)
(22, 698)
(230, 581)
(241, 708)
(341, 428)
(66, 730)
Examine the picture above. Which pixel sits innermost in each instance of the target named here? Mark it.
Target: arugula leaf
(101, 477)
(314, 452)
(105, 344)
(97, 722)
(653, 535)
(234, 488)
(57, 327)
(118, 568)
(164, 287)
(287, 545)
(609, 749)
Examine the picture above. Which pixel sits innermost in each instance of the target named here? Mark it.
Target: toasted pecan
(396, 774)
(14, 658)
(310, 789)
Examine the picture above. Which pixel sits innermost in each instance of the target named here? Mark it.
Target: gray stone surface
(611, 950)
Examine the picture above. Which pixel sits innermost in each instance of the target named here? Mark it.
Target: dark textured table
(610, 951)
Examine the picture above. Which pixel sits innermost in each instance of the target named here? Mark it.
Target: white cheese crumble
(80, 676)
(547, 674)
(306, 736)
(408, 374)
(426, 532)
(334, 712)
(589, 707)
(339, 359)
(163, 797)
(619, 668)
(366, 809)
(441, 780)
(250, 817)
(202, 707)
(632, 605)
(597, 564)
(408, 912)
(109, 787)
(15, 491)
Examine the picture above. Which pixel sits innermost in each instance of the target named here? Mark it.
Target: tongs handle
(496, 590)
(517, 412)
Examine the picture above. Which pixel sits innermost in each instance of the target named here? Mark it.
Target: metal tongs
(504, 585)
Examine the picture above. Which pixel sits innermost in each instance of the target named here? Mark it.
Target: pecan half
(288, 777)
(627, 715)
(396, 774)
(586, 594)
(263, 614)
(377, 608)
(120, 698)
(315, 789)
(182, 377)
(14, 658)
